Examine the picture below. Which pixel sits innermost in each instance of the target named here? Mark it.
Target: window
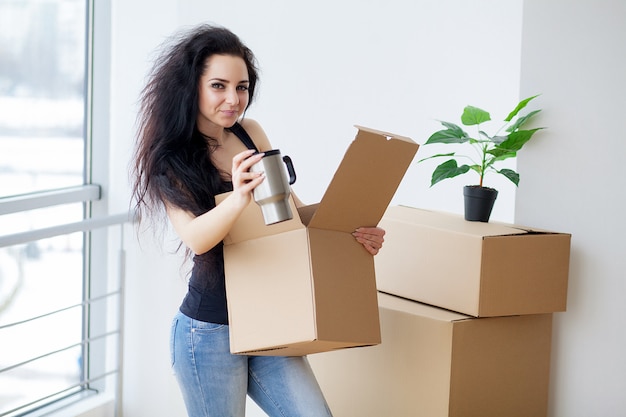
(42, 94)
(56, 337)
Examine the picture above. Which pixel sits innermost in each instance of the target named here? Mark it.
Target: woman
(193, 143)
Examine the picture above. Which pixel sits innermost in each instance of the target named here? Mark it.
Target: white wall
(391, 65)
(573, 52)
(154, 282)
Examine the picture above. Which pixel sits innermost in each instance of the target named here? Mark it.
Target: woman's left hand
(371, 238)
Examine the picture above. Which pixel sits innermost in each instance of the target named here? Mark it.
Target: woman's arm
(203, 232)
(200, 234)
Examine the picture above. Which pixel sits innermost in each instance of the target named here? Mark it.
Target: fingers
(244, 180)
(371, 238)
(244, 160)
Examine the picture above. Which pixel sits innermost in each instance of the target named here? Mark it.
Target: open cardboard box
(305, 285)
(480, 269)
(436, 363)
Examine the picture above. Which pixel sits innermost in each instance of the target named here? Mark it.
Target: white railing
(70, 195)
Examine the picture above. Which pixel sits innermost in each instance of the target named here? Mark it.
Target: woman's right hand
(244, 181)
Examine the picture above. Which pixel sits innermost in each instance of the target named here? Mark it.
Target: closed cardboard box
(479, 269)
(305, 285)
(437, 363)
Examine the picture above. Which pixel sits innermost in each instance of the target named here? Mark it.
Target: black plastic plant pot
(479, 202)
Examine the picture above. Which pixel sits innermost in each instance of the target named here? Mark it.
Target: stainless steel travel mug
(272, 195)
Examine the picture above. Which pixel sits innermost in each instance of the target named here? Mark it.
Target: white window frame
(99, 253)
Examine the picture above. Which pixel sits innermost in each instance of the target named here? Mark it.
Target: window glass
(42, 100)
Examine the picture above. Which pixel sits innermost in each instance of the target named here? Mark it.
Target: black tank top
(206, 295)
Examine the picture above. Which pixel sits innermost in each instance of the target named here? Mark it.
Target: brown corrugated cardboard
(305, 285)
(480, 269)
(437, 363)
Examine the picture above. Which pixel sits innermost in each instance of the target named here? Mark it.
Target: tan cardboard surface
(289, 253)
(480, 269)
(247, 227)
(365, 181)
(501, 366)
(449, 221)
(335, 310)
(305, 285)
(436, 363)
(346, 306)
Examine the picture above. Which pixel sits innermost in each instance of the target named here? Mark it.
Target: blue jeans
(214, 383)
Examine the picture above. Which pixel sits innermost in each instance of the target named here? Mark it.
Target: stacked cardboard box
(480, 269)
(466, 315)
(437, 363)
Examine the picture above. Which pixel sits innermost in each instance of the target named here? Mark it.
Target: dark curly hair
(171, 161)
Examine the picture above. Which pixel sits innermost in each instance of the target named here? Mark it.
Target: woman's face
(223, 92)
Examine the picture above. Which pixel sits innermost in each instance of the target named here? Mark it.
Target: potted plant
(488, 151)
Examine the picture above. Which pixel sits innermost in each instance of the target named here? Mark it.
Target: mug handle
(290, 169)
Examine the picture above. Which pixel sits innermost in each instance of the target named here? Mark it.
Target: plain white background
(398, 66)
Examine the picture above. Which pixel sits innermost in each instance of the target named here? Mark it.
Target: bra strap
(241, 133)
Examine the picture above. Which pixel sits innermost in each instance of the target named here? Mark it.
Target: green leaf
(499, 139)
(448, 169)
(453, 134)
(500, 154)
(436, 156)
(484, 134)
(518, 139)
(519, 107)
(478, 141)
(452, 126)
(473, 116)
(477, 168)
(521, 121)
(510, 174)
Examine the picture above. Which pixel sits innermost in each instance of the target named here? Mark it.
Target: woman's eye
(242, 88)
(217, 85)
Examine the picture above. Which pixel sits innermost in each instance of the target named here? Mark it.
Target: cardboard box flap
(251, 225)
(365, 181)
(306, 213)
